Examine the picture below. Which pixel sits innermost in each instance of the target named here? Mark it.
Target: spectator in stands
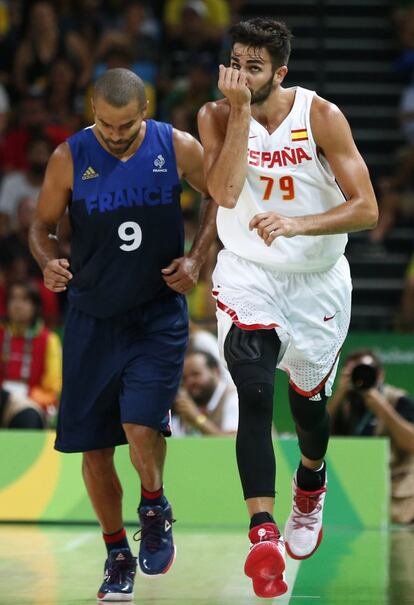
(206, 404)
(193, 42)
(42, 44)
(9, 38)
(4, 109)
(15, 243)
(395, 197)
(363, 405)
(25, 183)
(33, 120)
(64, 103)
(16, 262)
(191, 92)
(204, 340)
(180, 118)
(238, 10)
(396, 191)
(31, 354)
(405, 316)
(180, 16)
(140, 33)
(88, 18)
(19, 412)
(4, 121)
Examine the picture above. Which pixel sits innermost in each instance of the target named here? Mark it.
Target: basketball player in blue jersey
(126, 326)
(290, 182)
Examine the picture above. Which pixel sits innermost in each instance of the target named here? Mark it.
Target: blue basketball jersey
(126, 222)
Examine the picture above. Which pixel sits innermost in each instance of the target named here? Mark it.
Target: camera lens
(364, 376)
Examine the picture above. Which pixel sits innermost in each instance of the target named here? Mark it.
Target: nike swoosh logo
(329, 317)
(254, 136)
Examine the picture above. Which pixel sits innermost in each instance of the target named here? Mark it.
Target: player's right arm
(224, 133)
(53, 199)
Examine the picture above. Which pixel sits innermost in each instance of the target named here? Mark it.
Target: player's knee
(307, 413)
(98, 461)
(141, 436)
(256, 399)
(251, 355)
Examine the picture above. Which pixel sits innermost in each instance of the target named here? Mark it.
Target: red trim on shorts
(236, 321)
(320, 385)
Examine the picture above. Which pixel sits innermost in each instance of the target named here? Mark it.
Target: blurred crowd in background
(50, 55)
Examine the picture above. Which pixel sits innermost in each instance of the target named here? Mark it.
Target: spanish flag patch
(299, 135)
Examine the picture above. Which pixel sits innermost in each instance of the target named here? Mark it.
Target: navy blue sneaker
(157, 550)
(119, 576)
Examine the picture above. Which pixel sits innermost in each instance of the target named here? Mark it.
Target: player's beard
(259, 96)
(121, 149)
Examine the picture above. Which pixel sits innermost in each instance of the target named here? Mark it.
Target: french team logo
(159, 163)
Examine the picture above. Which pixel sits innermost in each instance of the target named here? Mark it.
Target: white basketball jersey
(285, 175)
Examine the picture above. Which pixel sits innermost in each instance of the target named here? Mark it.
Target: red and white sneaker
(303, 530)
(265, 563)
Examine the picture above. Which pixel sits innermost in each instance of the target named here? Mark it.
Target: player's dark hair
(264, 32)
(120, 86)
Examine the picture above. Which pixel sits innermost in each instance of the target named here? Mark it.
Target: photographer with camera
(363, 405)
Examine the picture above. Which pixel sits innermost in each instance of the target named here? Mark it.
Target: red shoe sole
(264, 561)
(268, 589)
(297, 557)
(265, 566)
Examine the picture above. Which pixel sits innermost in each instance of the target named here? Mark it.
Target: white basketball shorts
(309, 311)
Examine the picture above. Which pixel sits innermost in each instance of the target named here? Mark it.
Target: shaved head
(119, 86)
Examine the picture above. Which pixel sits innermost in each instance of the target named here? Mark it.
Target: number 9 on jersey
(131, 233)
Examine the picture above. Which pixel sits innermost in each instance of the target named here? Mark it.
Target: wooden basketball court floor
(62, 565)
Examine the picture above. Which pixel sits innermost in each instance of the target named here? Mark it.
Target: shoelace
(270, 536)
(151, 531)
(114, 574)
(303, 519)
(268, 532)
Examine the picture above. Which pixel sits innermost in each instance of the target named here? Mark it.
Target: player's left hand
(181, 274)
(270, 225)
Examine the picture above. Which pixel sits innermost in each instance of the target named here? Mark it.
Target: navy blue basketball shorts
(119, 370)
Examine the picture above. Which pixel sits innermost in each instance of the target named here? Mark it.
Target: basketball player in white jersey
(290, 182)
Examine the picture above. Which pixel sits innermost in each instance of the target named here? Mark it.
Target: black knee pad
(256, 404)
(307, 413)
(251, 355)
